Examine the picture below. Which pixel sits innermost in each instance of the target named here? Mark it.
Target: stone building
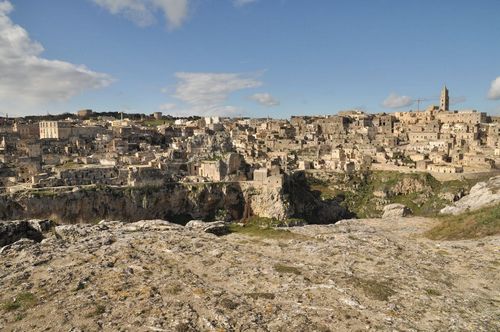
(54, 129)
(26, 130)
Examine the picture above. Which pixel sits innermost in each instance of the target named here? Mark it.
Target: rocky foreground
(356, 275)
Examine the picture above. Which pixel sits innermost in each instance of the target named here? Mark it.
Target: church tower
(445, 100)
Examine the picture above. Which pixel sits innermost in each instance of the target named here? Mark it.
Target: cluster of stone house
(88, 148)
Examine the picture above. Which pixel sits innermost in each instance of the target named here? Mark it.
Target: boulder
(396, 211)
(19, 245)
(151, 225)
(73, 233)
(196, 224)
(12, 231)
(218, 228)
(42, 225)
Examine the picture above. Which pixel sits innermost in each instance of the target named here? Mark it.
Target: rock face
(160, 276)
(481, 195)
(178, 203)
(409, 185)
(395, 211)
(12, 231)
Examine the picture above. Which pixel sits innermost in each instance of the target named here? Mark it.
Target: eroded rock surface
(357, 275)
(396, 210)
(12, 231)
(482, 194)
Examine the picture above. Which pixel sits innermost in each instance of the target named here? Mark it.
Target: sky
(253, 58)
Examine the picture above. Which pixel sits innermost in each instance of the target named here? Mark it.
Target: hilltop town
(114, 149)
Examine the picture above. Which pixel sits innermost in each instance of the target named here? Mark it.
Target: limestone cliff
(482, 194)
(175, 202)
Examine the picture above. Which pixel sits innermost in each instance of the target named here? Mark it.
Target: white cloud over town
(240, 3)
(208, 93)
(494, 92)
(142, 12)
(265, 99)
(28, 80)
(396, 101)
(167, 107)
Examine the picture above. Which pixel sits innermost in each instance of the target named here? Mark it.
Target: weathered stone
(396, 211)
(12, 231)
(353, 275)
(481, 195)
(218, 228)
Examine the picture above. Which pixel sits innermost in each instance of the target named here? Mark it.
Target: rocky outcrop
(481, 195)
(12, 231)
(356, 275)
(270, 203)
(218, 228)
(395, 211)
(178, 203)
(410, 185)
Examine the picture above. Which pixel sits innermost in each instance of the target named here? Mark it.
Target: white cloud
(458, 100)
(265, 99)
(207, 93)
(240, 3)
(142, 12)
(494, 92)
(167, 107)
(395, 101)
(28, 80)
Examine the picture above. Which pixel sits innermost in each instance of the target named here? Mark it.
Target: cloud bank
(494, 92)
(394, 101)
(142, 12)
(27, 80)
(207, 93)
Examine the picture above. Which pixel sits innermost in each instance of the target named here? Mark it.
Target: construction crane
(419, 100)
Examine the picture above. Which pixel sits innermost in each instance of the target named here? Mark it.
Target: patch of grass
(469, 225)
(265, 232)
(377, 290)
(20, 316)
(265, 228)
(70, 165)
(22, 301)
(433, 292)
(280, 268)
(11, 305)
(271, 222)
(98, 310)
(155, 123)
(265, 296)
(174, 289)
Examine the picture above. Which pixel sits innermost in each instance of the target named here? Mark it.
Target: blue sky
(255, 58)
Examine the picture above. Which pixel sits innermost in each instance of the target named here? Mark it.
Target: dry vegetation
(470, 225)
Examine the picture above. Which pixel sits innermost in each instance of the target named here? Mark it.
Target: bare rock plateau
(356, 275)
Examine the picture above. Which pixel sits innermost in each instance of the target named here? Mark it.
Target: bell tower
(444, 104)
